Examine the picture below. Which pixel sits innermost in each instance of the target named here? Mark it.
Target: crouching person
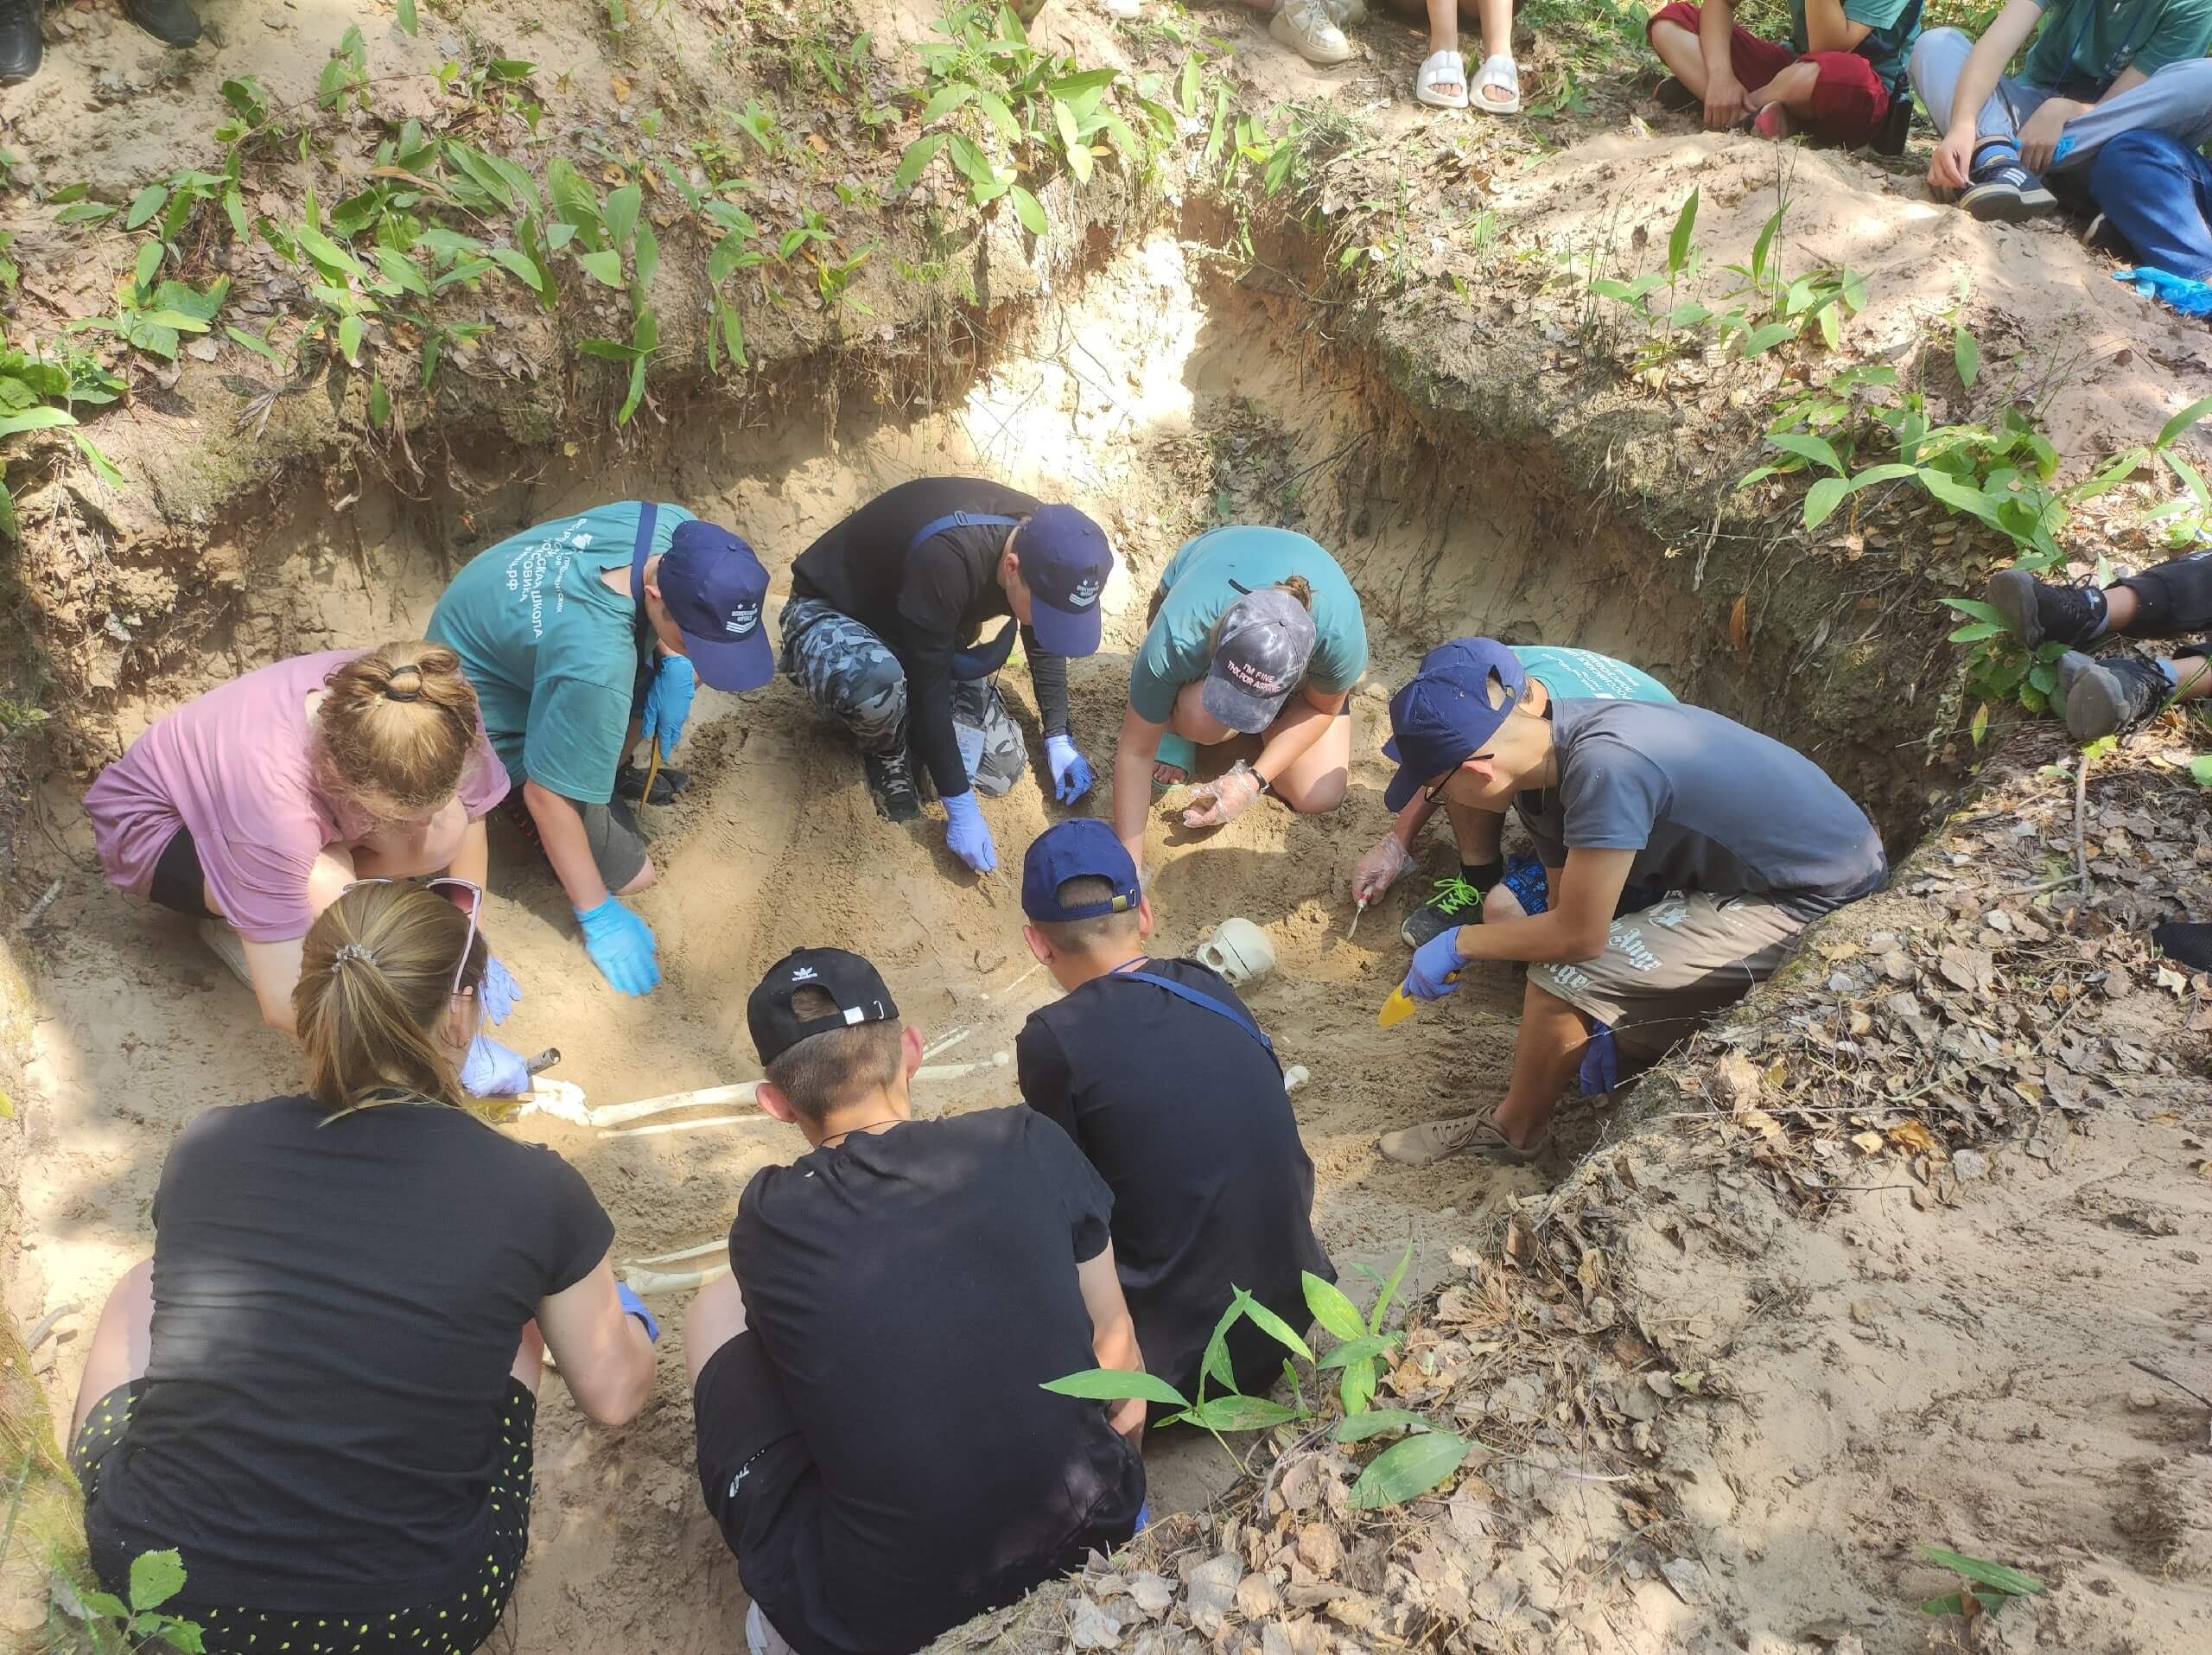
(874, 1437)
(1159, 1073)
(322, 1389)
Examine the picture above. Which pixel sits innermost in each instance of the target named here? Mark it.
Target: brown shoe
(1417, 1146)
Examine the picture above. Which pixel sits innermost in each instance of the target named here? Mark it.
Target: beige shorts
(1668, 967)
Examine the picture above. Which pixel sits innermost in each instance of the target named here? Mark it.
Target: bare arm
(472, 862)
(602, 1351)
(1716, 39)
(1827, 29)
(1300, 725)
(1113, 1336)
(1133, 757)
(1571, 931)
(561, 830)
(1985, 66)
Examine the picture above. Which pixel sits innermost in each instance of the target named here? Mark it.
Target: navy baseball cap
(1260, 650)
(1442, 718)
(850, 981)
(1065, 561)
(1084, 848)
(716, 590)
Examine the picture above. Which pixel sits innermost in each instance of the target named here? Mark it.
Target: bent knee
(1933, 44)
(645, 876)
(1323, 793)
(1500, 904)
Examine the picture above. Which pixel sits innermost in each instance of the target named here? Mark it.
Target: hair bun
(394, 690)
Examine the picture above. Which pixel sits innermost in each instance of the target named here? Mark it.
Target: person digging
(583, 636)
(1487, 881)
(1749, 841)
(881, 629)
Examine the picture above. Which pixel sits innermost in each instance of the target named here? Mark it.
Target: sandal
(1499, 71)
(1445, 68)
(1176, 752)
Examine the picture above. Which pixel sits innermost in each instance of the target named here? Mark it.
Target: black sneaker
(890, 779)
(1456, 903)
(2103, 697)
(2001, 191)
(1674, 97)
(2036, 611)
(170, 22)
(2102, 238)
(21, 47)
(668, 781)
(2189, 943)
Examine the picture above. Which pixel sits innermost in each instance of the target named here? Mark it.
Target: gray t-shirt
(1706, 805)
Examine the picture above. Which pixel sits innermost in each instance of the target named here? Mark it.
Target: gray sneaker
(2104, 695)
(1477, 1134)
(1307, 28)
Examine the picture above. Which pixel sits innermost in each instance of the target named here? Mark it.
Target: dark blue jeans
(2157, 192)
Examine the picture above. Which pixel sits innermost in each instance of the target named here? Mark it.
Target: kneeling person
(1749, 841)
(1159, 1074)
(873, 1438)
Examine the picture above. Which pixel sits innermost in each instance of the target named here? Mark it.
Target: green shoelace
(1453, 895)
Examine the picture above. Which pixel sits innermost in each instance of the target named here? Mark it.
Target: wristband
(634, 1306)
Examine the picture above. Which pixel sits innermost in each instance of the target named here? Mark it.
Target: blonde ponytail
(376, 982)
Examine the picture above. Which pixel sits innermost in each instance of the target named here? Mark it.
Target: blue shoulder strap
(958, 520)
(1219, 1008)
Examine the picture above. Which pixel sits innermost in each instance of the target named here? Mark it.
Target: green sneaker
(1456, 903)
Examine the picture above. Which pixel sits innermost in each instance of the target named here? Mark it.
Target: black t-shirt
(913, 1289)
(930, 604)
(1184, 1118)
(336, 1309)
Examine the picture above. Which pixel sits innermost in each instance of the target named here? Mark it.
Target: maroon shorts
(1849, 100)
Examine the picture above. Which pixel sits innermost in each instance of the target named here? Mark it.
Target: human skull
(1238, 950)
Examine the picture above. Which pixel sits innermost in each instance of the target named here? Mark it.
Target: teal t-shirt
(1195, 589)
(1893, 26)
(2094, 42)
(1585, 675)
(552, 651)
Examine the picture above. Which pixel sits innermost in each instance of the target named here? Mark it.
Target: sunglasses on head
(463, 893)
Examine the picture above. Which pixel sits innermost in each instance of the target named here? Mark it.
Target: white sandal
(1445, 68)
(1499, 71)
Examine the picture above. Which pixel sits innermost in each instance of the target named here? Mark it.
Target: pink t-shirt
(233, 765)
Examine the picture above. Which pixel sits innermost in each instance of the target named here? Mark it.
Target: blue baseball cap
(1084, 848)
(1442, 718)
(715, 589)
(1065, 561)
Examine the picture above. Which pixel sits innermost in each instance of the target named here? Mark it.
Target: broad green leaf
(1218, 134)
(246, 99)
(1817, 449)
(1003, 117)
(234, 210)
(1975, 631)
(155, 1577)
(104, 1603)
(334, 259)
(1689, 314)
(644, 257)
(1973, 607)
(574, 201)
(9, 527)
(403, 273)
(1336, 1313)
(1356, 1389)
(1239, 1414)
(2108, 476)
(637, 393)
(147, 202)
(1765, 245)
(1889, 471)
(1678, 244)
(380, 406)
(946, 100)
(1214, 1363)
(349, 341)
(1186, 90)
(1980, 727)
(919, 154)
(511, 68)
(1389, 1291)
(972, 162)
(728, 257)
(2012, 1582)
(734, 335)
(2181, 421)
(1407, 1469)
(1959, 496)
(43, 418)
(1357, 1428)
(1822, 498)
(610, 350)
(407, 19)
(104, 467)
(1028, 208)
(149, 262)
(2043, 677)
(258, 345)
(2200, 770)
(1274, 1326)
(1965, 356)
(1357, 1350)
(84, 213)
(1116, 1385)
(604, 266)
(1086, 83)
(622, 209)
(1760, 341)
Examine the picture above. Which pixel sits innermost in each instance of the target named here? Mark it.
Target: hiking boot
(22, 49)
(1456, 903)
(1304, 25)
(2038, 612)
(1675, 97)
(2104, 696)
(1478, 1134)
(668, 781)
(2001, 190)
(890, 779)
(170, 22)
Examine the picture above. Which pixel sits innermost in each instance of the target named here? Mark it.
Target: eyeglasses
(454, 891)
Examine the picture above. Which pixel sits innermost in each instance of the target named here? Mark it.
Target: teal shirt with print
(1585, 675)
(2094, 42)
(551, 650)
(1196, 588)
(1892, 26)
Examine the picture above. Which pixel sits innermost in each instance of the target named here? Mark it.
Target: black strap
(642, 626)
(1219, 1008)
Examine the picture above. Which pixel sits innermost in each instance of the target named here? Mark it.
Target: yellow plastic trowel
(1401, 1005)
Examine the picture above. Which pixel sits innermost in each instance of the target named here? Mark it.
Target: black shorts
(451, 1626)
(617, 844)
(760, 1485)
(180, 883)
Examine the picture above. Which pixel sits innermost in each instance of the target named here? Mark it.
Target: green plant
(155, 1578)
(1405, 1470)
(347, 74)
(36, 394)
(1985, 1587)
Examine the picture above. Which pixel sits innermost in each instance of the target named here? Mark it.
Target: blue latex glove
(621, 945)
(667, 702)
(2190, 298)
(968, 834)
(491, 1071)
(1599, 1071)
(634, 1306)
(1434, 962)
(1071, 770)
(498, 990)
